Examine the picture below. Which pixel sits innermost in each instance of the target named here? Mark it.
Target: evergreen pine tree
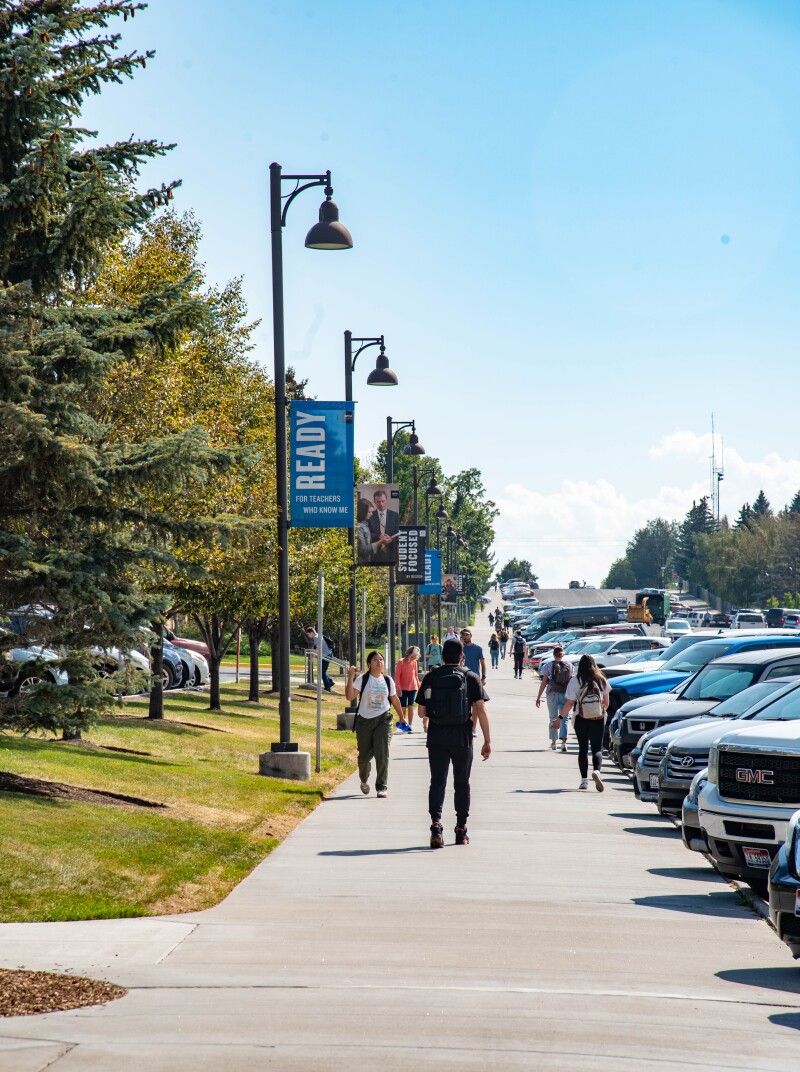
(794, 505)
(745, 516)
(77, 536)
(761, 507)
(698, 521)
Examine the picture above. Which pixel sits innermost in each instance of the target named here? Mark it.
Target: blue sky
(576, 224)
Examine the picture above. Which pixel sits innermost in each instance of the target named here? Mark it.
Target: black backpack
(388, 681)
(560, 674)
(445, 699)
(330, 643)
(519, 645)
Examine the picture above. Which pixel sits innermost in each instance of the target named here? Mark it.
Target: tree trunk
(156, 707)
(254, 639)
(215, 647)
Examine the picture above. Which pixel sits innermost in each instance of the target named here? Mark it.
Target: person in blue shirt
(473, 656)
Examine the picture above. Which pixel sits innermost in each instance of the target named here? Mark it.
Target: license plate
(756, 857)
(654, 781)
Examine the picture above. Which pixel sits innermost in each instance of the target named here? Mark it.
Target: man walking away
(452, 698)
(518, 651)
(556, 675)
(507, 621)
(314, 639)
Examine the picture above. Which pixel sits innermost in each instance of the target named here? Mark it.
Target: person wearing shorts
(406, 678)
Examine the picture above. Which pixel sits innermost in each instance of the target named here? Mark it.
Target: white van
(695, 618)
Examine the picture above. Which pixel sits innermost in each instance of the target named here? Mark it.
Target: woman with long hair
(588, 692)
(407, 680)
(366, 548)
(377, 695)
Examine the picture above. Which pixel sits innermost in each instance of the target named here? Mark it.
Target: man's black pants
(452, 744)
(518, 657)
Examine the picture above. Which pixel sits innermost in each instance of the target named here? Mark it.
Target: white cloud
(576, 531)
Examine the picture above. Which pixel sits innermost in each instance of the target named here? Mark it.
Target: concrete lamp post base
(345, 720)
(293, 765)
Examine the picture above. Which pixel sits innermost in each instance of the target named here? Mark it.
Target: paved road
(574, 933)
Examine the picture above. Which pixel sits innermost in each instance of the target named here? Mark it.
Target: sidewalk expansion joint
(175, 945)
(629, 995)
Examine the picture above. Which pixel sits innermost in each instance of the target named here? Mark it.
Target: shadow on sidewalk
(786, 1019)
(373, 852)
(786, 979)
(698, 874)
(653, 831)
(548, 792)
(698, 904)
(646, 817)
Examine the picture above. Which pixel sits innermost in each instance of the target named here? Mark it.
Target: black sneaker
(461, 836)
(437, 838)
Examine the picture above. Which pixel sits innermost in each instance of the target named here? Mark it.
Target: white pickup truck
(753, 789)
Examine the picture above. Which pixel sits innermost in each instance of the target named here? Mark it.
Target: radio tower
(717, 472)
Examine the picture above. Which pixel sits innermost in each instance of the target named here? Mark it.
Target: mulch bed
(16, 783)
(26, 993)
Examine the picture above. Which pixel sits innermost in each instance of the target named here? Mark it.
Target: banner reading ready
(433, 574)
(321, 467)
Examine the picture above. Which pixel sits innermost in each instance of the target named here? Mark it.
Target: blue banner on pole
(321, 466)
(433, 574)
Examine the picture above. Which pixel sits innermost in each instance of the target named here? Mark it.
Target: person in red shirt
(406, 678)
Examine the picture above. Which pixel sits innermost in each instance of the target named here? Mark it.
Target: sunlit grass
(77, 860)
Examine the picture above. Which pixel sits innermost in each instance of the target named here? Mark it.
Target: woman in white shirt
(589, 692)
(377, 696)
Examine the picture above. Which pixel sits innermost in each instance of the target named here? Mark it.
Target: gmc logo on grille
(757, 777)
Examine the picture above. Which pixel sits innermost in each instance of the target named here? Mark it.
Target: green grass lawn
(64, 859)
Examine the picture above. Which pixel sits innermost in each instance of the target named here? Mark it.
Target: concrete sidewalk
(574, 932)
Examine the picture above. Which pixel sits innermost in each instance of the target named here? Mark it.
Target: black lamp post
(414, 447)
(441, 515)
(381, 376)
(328, 233)
(432, 489)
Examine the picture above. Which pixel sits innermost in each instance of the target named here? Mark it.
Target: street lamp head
(329, 233)
(441, 513)
(450, 533)
(433, 488)
(414, 446)
(382, 375)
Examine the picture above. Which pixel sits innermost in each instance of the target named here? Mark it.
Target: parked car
(752, 793)
(784, 888)
(749, 619)
(691, 834)
(782, 618)
(679, 669)
(675, 627)
(188, 643)
(652, 780)
(611, 651)
(25, 665)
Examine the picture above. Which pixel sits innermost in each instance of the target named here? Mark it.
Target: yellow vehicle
(652, 605)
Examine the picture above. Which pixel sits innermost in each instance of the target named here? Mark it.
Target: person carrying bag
(589, 693)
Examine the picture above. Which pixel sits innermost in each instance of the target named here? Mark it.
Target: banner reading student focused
(321, 467)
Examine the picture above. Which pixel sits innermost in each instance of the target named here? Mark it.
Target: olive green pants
(373, 736)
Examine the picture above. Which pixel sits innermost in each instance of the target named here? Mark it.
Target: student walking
(556, 675)
(433, 652)
(491, 620)
(406, 678)
(589, 693)
(452, 699)
(503, 636)
(494, 650)
(377, 695)
(518, 651)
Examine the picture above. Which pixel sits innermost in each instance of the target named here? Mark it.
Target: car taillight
(783, 621)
